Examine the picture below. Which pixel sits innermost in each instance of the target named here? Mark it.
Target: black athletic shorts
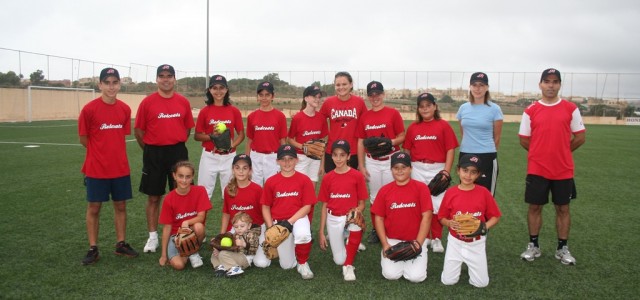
(537, 190)
(157, 162)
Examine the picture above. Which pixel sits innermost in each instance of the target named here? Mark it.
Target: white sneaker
(362, 247)
(565, 256)
(347, 272)
(151, 245)
(436, 245)
(305, 271)
(234, 271)
(195, 260)
(531, 253)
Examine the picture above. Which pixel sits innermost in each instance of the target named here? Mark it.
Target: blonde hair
(241, 216)
(186, 164)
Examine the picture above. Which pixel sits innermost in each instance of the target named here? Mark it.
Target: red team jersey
(177, 208)
(106, 126)
(342, 192)
(265, 129)
(165, 121)
(304, 128)
(402, 208)
(343, 119)
(247, 200)
(549, 129)
(286, 195)
(479, 202)
(211, 115)
(430, 140)
(386, 122)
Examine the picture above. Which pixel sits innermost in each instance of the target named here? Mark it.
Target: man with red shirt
(102, 127)
(550, 130)
(163, 124)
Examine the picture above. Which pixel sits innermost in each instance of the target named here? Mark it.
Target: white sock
(153, 235)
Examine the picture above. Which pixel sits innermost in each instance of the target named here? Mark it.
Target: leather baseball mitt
(314, 149)
(405, 250)
(439, 183)
(273, 237)
(222, 141)
(187, 242)
(216, 242)
(354, 216)
(470, 226)
(378, 146)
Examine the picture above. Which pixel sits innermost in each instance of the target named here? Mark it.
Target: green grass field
(43, 206)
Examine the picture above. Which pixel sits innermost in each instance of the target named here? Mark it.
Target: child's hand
(322, 241)
(215, 252)
(241, 243)
(454, 225)
(162, 261)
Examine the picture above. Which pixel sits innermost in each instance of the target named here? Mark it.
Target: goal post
(68, 102)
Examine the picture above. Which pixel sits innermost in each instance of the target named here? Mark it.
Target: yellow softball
(226, 241)
(220, 127)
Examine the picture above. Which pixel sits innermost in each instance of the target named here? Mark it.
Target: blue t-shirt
(477, 126)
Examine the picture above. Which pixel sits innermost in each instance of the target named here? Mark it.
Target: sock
(153, 235)
(302, 252)
(355, 237)
(534, 239)
(561, 243)
(436, 229)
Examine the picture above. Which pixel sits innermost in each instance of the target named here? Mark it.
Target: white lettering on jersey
(286, 194)
(308, 133)
(214, 121)
(425, 137)
(265, 128)
(186, 215)
(475, 214)
(374, 127)
(240, 207)
(339, 113)
(168, 116)
(402, 205)
(110, 126)
(338, 196)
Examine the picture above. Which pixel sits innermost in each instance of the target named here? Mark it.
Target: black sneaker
(92, 256)
(373, 237)
(123, 248)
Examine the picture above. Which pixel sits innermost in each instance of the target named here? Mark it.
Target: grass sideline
(43, 207)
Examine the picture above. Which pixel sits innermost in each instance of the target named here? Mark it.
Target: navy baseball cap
(479, 77)
(265, 85)
(548, 72)
(470, 160)
(167, 68)
(426, 96)
(341, 144)
(374, 87)
(401, 158)
(218, 79)
(287, 150)
(240, 157)
(106, 72)
(312, 91)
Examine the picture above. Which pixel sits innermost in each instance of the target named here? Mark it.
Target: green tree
(36, 77)
(9, 79)
(446, 99)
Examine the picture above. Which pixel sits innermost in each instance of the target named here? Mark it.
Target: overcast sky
(576, 36)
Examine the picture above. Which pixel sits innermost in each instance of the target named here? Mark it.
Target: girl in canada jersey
(213, 161)
(341, 190)
(431, 142)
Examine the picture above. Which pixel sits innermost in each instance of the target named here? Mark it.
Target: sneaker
(305, 271)
(362, 247)
(235, 271)
(436, 245)
(151, 245)
(92, 256)
(531, 253)
(373, 237)
(565, 256)
(195, 260)
(124, 249)
(220, 271)
(347, 272)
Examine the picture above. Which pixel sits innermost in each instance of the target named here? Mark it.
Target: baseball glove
(222, 141)
(354, 216)
(273, 237)
(378, 146)
(439, 183)
(186, 241)
(405, 250)
(216, 242)
(314, 149)
(470, 226)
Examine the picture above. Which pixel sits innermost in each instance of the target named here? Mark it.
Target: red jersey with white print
(304, 128)
(386, 122)
(402, 207)
(105, 126)
(265, 129)
(286, 195)
(549, 128)
(247, 200)
(430, 140)
(177, 208)
(343, 119)
(211, 115)
(342, 192)
(165, 121)
(479, 202)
